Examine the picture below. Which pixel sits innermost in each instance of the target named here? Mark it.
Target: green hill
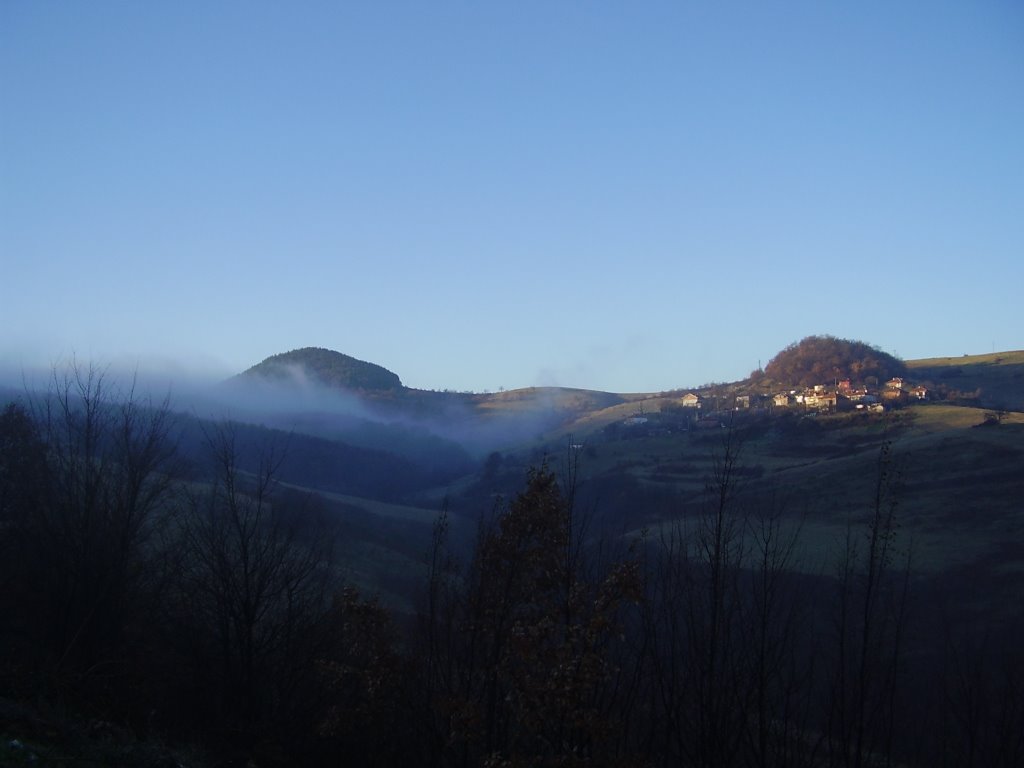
(326, 367)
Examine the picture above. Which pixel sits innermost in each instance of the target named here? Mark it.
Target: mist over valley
(387, 497)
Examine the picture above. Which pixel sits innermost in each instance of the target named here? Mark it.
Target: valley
(356, 556)
(643, 460)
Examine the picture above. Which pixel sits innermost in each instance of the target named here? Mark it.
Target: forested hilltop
(824, 359)
(324, 367)
(633, 580)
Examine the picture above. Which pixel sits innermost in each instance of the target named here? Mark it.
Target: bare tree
(255, 592)
(694, 616)
(780, 668)
(726, 678)
(873, 584)
(109, 472)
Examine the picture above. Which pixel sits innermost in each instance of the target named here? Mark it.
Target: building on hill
(783, 399)
(862, 395)
(816, 400)
(691, 400)
(752, 401)
(894, 395)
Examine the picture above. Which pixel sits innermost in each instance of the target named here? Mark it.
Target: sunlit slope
(997, 378)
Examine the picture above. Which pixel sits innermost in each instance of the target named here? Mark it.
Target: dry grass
(998, 378)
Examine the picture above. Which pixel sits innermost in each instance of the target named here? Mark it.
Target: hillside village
(714, 407)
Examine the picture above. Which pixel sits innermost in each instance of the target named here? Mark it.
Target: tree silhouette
(870, 628)
(253, 596)
(520, 643)
(102, 470)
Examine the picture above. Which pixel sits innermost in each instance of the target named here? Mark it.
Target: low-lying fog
(410, 423)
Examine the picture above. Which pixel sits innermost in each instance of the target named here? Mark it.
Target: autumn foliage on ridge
(822, 359)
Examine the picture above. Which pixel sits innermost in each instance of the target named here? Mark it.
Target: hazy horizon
(188, 385)
(503, 196)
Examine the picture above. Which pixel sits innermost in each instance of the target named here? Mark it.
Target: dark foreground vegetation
(166, 607)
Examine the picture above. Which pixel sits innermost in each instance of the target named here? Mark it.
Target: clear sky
(617, 196)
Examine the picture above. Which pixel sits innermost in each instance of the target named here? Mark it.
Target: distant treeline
(190, 598)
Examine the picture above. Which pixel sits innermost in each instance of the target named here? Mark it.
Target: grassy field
(1012, 357)
(998, 378)
(960, 487)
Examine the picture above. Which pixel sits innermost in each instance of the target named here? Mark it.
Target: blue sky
(628, 197)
